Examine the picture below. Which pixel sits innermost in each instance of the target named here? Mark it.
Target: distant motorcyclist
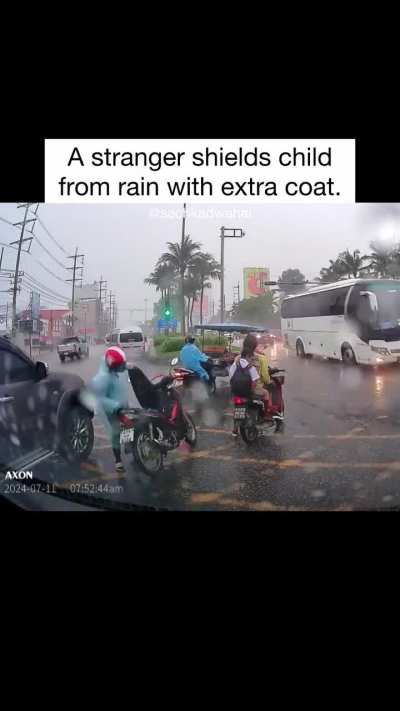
(110, 386)
(250, 372)
(192, 358)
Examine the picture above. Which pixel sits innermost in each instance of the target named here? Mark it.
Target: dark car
(40, 412)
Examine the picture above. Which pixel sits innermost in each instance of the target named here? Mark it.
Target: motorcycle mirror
(174, 361)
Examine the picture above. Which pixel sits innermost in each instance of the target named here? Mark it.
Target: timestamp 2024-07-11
(50, 488)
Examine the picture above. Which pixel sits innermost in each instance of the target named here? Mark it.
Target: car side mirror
(42, 370)
(372, 300)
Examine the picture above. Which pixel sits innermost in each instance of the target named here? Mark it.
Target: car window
(13, 369)
(130, 337)
(114, 338)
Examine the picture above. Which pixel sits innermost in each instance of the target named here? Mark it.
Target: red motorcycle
(186, 378)
(250, 416)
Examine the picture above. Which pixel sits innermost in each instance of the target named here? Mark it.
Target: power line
(49, 253)
(44, 292)
(9, 246)
(11, 224)
(34, 287)
(28, 289)
(51, 236)
(48, 288)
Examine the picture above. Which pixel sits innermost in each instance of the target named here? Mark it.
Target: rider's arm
(100, 388)
(255, 378)
(264, 370)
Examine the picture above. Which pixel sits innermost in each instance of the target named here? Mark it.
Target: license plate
(127, 436)
(240, 413)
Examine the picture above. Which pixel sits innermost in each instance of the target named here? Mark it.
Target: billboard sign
(253, 281)
(196, 307)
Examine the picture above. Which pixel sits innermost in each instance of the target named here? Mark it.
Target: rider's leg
(115, 442)
(261, 393)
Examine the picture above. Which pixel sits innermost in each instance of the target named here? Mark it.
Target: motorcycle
(250, 416)
(186, 378)
(149, 433)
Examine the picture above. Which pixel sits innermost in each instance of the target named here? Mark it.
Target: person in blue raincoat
(193, 359)
(111, 387)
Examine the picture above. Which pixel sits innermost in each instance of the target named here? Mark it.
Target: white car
(73, 347)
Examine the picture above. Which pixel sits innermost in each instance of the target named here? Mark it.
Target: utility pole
(183, 328)
(110, 312)
(226, 232)
(102, 291)
(16, 274)
(74, 279)
(114, 313)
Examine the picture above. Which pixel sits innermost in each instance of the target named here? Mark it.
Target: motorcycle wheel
(248, 429)
(147, 453)
(191, 432)
(249, 433)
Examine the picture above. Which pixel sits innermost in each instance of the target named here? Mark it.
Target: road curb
(157, 360)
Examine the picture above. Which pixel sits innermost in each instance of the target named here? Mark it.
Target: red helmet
(115, 358)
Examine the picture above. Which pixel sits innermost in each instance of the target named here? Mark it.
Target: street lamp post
(226, 232)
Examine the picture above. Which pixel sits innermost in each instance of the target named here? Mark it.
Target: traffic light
(167, 312)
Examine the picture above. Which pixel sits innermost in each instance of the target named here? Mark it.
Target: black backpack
(241, 381)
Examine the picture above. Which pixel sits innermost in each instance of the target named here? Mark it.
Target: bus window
(338, 298)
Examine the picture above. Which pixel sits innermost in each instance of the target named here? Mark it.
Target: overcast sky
(123, 242)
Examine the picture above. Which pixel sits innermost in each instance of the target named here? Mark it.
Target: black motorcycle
(159, 426)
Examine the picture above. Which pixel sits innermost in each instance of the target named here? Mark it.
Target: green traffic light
(168, 312)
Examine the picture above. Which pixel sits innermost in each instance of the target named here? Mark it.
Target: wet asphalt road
(339, 449)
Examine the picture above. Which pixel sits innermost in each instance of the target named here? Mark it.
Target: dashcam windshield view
(200, 357)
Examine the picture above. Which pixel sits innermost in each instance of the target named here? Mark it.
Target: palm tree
(383, 259)
(181, 257)
(353, 262)
(205, 267)
(335, 272)
(192, 287)
(162, 278)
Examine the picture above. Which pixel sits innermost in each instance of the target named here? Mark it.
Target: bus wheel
(300, 352)
(348, 356)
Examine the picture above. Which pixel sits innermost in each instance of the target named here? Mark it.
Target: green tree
(335, 272)
(384, 259)
(181, 258)
(205, 267)
(256, 311)
(293, 276)
(353, 263)
(163, 278)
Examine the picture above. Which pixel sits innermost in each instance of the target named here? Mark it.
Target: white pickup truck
(73, 347)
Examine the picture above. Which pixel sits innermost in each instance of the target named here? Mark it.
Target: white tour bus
(355, 320)
(130, 339)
